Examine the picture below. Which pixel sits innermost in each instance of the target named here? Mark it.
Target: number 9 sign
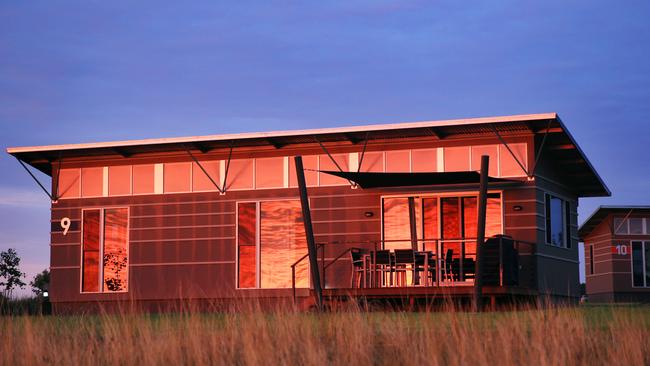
(65, 224)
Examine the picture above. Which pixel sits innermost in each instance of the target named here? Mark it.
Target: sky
(86, 71)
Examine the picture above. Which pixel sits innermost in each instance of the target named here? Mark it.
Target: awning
(367, 180)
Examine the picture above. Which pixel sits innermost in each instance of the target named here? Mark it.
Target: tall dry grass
(550, 336)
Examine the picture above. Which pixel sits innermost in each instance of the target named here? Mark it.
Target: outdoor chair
(359, 267)
(425, 264)
(404, 262)
(382, 265)
(447, 268)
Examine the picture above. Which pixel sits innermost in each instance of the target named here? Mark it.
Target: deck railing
(508, 262)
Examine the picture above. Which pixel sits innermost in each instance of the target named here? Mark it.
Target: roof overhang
(603, 212)
(559, 142)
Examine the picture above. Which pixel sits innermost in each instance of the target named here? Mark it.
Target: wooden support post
(480, 235)
(413, 224)
(309, 233)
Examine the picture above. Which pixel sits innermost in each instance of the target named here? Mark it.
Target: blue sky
(79, 71)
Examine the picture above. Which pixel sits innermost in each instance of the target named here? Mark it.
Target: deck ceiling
(559, 142)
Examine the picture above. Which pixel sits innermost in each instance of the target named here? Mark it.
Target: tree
(41, 282)
(10, 274)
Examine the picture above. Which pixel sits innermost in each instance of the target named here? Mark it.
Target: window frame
(566, 221)
(102, 210)
(644, 243)
(258, 246)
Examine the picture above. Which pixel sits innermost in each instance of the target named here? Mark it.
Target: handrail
(293, 268)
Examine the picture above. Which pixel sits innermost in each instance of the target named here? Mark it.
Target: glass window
(636, 226)
(177, 177)
(69, 183)
(143, 179)
(492, 152)
(567, 223)
(430, 217)
(200, 181)
(246, 240)
(240, 174)
(451, 228)
(638, 266)
(105, 236)
(621, 226)
(555, 227)
(92, 182)
(397, 227)
(470, 217)
(90, 251)
(591, 259)
(509, 166)
(327, 164)
(282, 243)
(372, 162)
(457, 159)
(116, 271)
(493, 216)
(119, 180)
(398, 161)
(424, 160)
(269, 173)
(310, 164)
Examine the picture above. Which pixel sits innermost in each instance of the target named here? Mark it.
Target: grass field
(552, 336)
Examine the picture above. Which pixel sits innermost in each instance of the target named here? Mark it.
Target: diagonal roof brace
(332, 159)
(205, 172)
(52, 197)
(514, 156)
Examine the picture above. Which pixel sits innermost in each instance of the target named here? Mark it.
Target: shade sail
(368, 180)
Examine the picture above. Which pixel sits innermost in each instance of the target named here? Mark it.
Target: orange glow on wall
(115, 263)
(200, 181)
(177, 177)
(143, 179)
(269, 172)
(119, 180)
(92, 182)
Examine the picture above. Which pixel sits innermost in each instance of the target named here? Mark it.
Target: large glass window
(557, 222)
(280, 243)
(105, 236)
(206, 182)
(119, 180)
(269, 173)
(143, 179)
(177, 177)
(92, 182)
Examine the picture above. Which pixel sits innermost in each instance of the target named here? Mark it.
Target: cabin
(617, 254)
(365, 212)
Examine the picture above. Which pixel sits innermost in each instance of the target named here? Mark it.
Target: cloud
(16, 197)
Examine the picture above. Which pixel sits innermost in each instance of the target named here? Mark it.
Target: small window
(372, 162)
(269, 173)
(457, 159)
(621, 226)
(509, 165)
(69, 182)
(398, 162)
(177, 177)
(556, 233)
(639, 263)
(119, 180)
(310, 164)
(143, 179)
(636, 226)
(240, 174)
(92, 182)
(492, 152)
(591, 260)
(424, 160)
(326, 163)
(200, 180)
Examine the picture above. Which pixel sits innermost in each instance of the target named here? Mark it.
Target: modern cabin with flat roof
(393, 211)
(617, 254)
